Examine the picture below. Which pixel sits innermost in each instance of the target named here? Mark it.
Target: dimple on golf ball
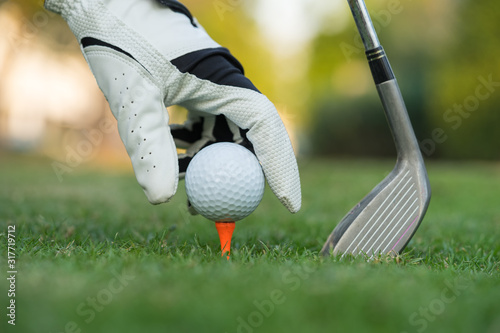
(224, 182)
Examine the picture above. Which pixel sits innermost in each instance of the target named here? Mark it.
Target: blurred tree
(465, 86)
(441, 52)
(28, 6)
(229, 24)
(349, 118)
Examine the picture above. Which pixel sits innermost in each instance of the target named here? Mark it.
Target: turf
(94, 256)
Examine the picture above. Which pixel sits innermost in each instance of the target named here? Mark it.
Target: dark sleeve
(216, 65)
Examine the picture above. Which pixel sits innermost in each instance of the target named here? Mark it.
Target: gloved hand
(150, 54)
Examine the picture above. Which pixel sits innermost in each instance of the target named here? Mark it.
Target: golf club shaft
(387, 86)
(364, 24)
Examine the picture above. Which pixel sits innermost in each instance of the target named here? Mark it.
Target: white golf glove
(150, 54)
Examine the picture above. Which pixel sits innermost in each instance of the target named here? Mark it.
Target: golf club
(387, 218)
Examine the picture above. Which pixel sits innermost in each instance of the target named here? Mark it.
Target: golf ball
(224, 182)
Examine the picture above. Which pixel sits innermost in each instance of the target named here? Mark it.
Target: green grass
(76, 236)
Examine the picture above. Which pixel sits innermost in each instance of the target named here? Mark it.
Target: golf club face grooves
(386, 219)
(379, 65)
(399, 122)
(390, 216)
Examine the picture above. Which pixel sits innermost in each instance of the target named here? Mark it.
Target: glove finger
(215, 129)
(239, 135)
(188, 133)
(272, 147)
(137, 104)
(185, 159)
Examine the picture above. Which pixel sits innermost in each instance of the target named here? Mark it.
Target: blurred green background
(306, 56)
(82, 219)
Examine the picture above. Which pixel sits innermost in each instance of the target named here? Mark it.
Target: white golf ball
(224, 182)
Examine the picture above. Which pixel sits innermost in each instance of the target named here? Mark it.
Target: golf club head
(386, 219)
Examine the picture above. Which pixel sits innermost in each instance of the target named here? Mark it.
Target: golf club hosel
(393, 102)
(399, 121)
